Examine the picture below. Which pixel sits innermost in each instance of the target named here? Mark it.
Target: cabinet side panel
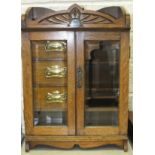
(124, 80)
(27, 83)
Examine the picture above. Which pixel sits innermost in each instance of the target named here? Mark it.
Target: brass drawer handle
(55, 46)
(55, 71)
(56, 97)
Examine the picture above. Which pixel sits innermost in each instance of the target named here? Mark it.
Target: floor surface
(106, 150)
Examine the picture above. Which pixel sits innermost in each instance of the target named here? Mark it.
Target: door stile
(124, 79)
(27, 83)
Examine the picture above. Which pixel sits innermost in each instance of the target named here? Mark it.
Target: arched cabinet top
(75, 17)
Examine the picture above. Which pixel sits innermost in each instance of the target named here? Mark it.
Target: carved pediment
(75, 17)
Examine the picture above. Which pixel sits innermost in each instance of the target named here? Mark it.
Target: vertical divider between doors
(80, 91)
(71, 83)
(76, 115)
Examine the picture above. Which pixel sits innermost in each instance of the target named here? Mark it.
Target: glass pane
(49, 64)
(50, 118)
(102, 83)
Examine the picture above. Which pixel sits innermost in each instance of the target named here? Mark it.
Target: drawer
(50, 72)
(49, 49)
(52, 98)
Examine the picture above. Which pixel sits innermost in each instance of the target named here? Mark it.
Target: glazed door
(51, 106)
(101, 83)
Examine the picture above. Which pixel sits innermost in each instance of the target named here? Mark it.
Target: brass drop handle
(56, 97)
(55, 46)
(55, 71)
(79, 77)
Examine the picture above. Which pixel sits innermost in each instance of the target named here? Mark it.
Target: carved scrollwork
(76, 17)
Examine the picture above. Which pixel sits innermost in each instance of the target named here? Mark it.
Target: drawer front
(52, 98)
(50, 72)
(49, 49)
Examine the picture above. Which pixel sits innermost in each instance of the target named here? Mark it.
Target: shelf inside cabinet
(41, 85)
(100, 109)
(102, 103)
(48, 59)
(101, 97)
(50, 109)
(101, 62)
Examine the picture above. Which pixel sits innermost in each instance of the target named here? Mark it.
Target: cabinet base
(84, 142)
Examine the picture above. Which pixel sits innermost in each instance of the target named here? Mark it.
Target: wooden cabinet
(75, 77)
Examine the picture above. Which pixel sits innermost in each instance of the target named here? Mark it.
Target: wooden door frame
(123, 98)
(28, 88)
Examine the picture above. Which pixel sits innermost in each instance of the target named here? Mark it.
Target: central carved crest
(75, 17)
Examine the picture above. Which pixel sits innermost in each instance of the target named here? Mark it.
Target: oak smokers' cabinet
(75, 77)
